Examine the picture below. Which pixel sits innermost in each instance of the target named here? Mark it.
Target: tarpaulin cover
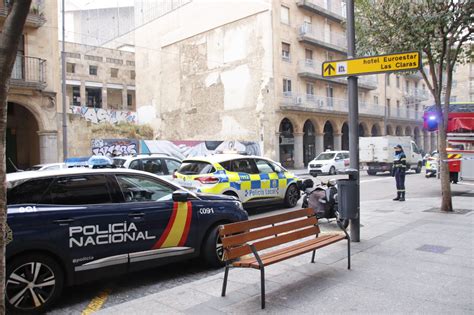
(460, 124)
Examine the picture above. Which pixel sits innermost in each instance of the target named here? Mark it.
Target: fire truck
(460, 136)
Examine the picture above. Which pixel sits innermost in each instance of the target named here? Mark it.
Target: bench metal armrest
(257, 256)
(343, 229)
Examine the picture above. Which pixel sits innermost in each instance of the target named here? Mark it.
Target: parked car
(70, 226)
(158, 164)
(329, 162)
(47, 167)
(249, 178)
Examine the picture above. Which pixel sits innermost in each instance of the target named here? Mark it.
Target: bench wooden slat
(244, 226)
(299, 251)
(232, 253)
(246, 262)
(239, 239)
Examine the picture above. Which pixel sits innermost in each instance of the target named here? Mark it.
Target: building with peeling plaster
(251, 70)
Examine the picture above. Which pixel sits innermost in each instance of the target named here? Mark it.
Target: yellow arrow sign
(373, 64)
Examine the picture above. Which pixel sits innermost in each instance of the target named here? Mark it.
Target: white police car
(329, 162)
(158, 164)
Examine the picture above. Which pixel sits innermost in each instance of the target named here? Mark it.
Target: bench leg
(348, 254)
(312, 258)
(224, 285)
(262, 286)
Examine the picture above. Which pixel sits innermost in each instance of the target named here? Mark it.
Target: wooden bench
(250, 237)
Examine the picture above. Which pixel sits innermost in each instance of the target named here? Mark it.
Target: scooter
(323, 199)
(431, 167)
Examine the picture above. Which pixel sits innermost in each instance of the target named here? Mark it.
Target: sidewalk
(411, 259)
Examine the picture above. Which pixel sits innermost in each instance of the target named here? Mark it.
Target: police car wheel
(212, 250)
(332, 170)
(33, 283)
(292, 196)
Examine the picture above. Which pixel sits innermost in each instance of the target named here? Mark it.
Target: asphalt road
(87, 298)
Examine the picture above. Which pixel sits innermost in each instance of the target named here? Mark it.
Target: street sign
(374, 64)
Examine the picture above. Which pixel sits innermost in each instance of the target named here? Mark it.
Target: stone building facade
(32, 129)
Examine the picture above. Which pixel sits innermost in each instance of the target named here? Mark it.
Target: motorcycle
(431, 166)
(323, 199)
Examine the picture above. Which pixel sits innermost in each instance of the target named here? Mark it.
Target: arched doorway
(328, 136)
(375, 130)
(22, 146)
(362, 132)
(309, 142)
(345, 137)
(287, 143)
(399, 131)
(408, 131)
(389, 130)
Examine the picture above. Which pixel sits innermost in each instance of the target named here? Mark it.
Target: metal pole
(63, 84)
(353, 117)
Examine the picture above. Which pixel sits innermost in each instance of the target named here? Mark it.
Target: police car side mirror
(181, 196)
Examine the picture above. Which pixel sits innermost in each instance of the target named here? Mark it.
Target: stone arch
(309, 141)
(345, 136)
(408, 131)
(376, 130)
(287, 140)
(416, 137)
(363, 129)
(399, 131)
(328, 131)
(22, 137)
(389, 130)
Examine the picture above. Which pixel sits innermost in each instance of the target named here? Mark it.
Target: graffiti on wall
(109, 147)
(100, 115)
(186, 149)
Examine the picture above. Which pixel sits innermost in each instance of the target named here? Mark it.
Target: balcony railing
(35, 17)
(316, 103)
(330, 40)
(329, 9)
(28, 72)
(313, 69)
(416, 94)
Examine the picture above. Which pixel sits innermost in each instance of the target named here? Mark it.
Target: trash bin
(347, 194)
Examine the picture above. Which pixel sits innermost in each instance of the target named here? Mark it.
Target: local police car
(249, 178)
(70, 226)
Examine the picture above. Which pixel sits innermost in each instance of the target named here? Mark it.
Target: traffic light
(430, 122)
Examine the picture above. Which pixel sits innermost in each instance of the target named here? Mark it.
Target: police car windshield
(325, 156)
(195, 168)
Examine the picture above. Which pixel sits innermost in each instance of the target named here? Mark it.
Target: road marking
(97, 302)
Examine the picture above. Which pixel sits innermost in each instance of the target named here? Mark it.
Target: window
(329, 56)
(330, 95)
(29, 192)
(132, 74)
(453, 98)
(172, 165)
(309, 90)
(454, 84)
(76, 96)
(93, 70)
(376, 100)
(308, 56)
(70, 67)
(94, 97)
(114, 72)
(73, 55)
(129, 99)
(114, 61)
(398, 108)
(398, 81)
(135, 165)
(195, 168)
(263, 167)
(78, 190)
(93, 58)
(285, 15)
(287, 87)
(387, 102)
(387, 79)
(285, 51)
(130, 63)
(243, 166)
(153, 166)
(407, 86)
(140, 188)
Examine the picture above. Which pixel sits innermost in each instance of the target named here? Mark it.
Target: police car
(75, 225)
(249, 178)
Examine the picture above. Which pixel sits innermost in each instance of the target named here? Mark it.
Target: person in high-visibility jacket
(398, 171)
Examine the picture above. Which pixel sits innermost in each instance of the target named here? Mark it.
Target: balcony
(406, 114)
(311, 69)
(324, 8)
(415, 95)
(35, 18)
(329, 40)
(315, 103)
(28, 73)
